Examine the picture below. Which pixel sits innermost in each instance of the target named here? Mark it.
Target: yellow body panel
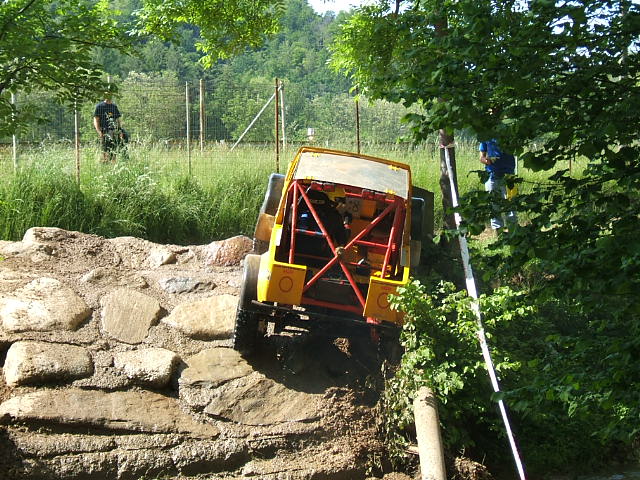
(280, 282)
(283, 282)
(377, 304)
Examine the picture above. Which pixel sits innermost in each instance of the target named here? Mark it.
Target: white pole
(284, 136)
(14, 138)
(473, 293)
(253, 121)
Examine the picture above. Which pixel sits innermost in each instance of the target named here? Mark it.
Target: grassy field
(152, 195)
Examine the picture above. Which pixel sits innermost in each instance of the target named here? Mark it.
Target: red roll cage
(389, 245)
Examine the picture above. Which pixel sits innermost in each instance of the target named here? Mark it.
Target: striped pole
(473, 293)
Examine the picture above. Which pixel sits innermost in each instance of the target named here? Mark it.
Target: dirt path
(117, 364)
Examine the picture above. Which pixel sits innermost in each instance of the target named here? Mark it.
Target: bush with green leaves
(550, 372)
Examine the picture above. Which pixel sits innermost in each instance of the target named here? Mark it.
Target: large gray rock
(185, 285)
(210, 318)
(149, 366)
(257, 400)
(228, 252)
(40, 362)
(214, 367)
(129, 411)
(114, 277)
(128, 314)
(44, 304)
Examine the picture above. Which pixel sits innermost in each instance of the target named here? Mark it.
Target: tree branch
(9, 21)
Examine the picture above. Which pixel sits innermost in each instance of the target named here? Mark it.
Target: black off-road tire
(245, 332)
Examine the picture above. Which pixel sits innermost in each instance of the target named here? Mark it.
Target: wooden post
(14, 138)
(357, 122)
(76, 121)
(446, 142)
(425, 412)
(202, 117)
(284, 135)
(277, 109)
(186, 98)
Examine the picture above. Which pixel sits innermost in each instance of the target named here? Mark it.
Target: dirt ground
(301, 408)
(338, 440)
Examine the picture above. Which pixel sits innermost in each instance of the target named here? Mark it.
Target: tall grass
(153, 196)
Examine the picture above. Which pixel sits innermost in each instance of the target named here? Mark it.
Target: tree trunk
(445, 184)
(445, 141)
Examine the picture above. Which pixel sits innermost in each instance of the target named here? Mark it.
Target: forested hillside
(151, 76)
(315, 96)
(296, 54)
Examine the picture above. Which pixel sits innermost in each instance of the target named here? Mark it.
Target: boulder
(213, 367)
(128, 314)
(185, 285)
(102, 275)
(257, 400)
(149, 366)
(31, 362)
(44, 304)
(210, 318)
(228, 252)
(129, 411)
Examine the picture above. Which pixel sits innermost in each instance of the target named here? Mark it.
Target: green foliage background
(553, 81)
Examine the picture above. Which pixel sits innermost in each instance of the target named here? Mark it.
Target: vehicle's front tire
(245, 332)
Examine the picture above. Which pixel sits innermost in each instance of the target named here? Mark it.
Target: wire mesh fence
(195, 128)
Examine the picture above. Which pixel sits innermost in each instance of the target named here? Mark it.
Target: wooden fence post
(14, 138)
(277, 109)
(202, 117)
(186, 99)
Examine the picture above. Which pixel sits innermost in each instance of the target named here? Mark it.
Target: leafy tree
(553, 81)
(226, 27)
(47, 45)
(50, 44)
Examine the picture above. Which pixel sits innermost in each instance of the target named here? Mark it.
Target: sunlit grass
(164, 194)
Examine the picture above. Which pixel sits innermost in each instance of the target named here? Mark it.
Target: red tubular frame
(391, 247)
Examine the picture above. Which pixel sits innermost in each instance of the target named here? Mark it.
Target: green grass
(151, 195)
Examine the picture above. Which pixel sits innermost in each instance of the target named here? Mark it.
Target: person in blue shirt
(498, 163)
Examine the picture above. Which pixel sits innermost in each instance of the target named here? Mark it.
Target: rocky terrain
(117, 363)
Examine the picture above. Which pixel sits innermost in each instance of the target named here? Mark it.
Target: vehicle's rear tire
(245, 332)
(390, 348)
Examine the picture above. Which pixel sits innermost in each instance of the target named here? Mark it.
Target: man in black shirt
(106, 121)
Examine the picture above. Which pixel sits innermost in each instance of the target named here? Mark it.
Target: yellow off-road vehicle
(334, 238)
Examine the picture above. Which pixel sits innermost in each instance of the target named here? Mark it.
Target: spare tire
(273, 194)
(268, 210)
